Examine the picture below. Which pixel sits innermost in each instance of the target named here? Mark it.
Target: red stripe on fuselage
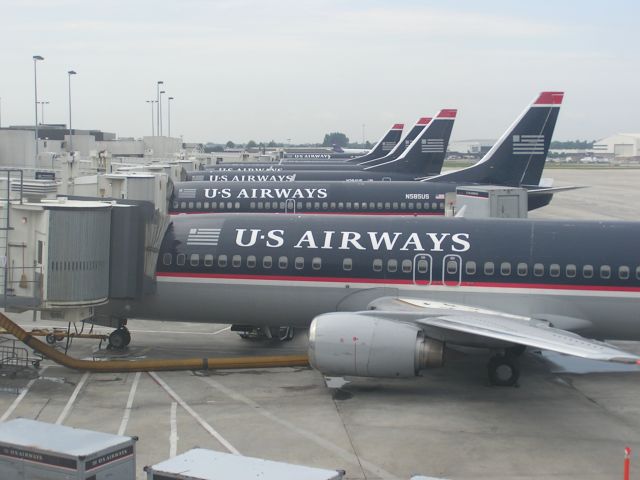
(322, 213)
(398, 281)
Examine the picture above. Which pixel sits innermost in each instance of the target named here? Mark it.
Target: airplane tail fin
(384, 145)
(518, 157)
(336, 148)
(425, 154)
(402, 145)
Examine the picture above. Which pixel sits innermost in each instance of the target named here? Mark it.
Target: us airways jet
(342, 198)
(377, 155)
(389, 299)
(424, 156)
(381, 148)
(517, 159)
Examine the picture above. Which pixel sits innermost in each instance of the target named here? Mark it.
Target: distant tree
(272, 144)
(368, 145)
(573, 144)
(230, 144)
(211, 147)
(251, 144)
(335, 138)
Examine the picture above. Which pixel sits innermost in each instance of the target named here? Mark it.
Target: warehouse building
(621, 146)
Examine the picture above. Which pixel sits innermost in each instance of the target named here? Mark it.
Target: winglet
(424, 121)
(549, 98)
(447, 113)
(398, 126)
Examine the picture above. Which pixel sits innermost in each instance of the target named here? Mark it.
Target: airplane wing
(497, 325)
(535, 190)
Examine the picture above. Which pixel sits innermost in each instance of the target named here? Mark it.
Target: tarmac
(567, 419)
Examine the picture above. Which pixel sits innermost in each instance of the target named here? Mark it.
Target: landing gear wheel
(283, 334)
(50, 338)
(127, 336)
(503, 371)
(118, 339)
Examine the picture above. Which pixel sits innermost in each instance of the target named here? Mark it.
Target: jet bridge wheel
(119, 338)
(503, 371)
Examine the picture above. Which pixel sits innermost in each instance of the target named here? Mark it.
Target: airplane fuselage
(286, 269)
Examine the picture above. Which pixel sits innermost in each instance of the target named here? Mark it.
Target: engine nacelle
(367, 346)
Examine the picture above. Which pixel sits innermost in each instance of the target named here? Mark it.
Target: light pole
(160, 110)
(160, 82)
(42, 104)
(153, 133)
(36, 58)
(169, 115)
(69, 73)
(363, 135)
(0, 112)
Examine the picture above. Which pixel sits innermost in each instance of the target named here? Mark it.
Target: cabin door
(290, 206)
(422, 269)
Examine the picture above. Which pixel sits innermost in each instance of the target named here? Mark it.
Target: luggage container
(201, 464)
(36, 450)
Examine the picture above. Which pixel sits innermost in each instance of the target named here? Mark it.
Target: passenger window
(333, 205)
(274, 205)
(199, 205)
(251, 261)
(418, 205)
(403, 205)
(637, 273)
(190, 205)
(441, 205)
(222, 261)
(452, 267)
(423, 266)
(260, 205)
(587, 271)
(379, 205)
(623, 272)
(387, 205)
(605, 271)
(166, 259)
(194, 260)
(236, 261)
(470, 267)
(554, 270)
(570, 270)
(283, 262)
(325, 205)
(282, 205)
(392, 265)
(377, 265)
(181, 259)
(208, 260)
(434, 205)
(348, 205)
(229, 205)
(299, 205)
(407, 266)
(489, 268)
(505, 268)
(523, 269)
(267, 262)
(214, 205)
(340, 206)
(411, 206)
(237, 205)
(316, 263)
(395, 205)
(347, 264)
(252, 205)
(299, 263)
(206, 205)
(356, 206)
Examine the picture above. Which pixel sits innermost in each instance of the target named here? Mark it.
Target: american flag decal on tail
(432, 145)
(528, 144)
(203, 236)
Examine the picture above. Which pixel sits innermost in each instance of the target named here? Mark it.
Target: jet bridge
(65, 256)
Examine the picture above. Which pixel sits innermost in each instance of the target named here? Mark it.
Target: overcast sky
(262, 70)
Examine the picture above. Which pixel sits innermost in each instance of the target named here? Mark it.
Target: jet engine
(368, 346)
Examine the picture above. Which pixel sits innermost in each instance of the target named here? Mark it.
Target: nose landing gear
(119, 338)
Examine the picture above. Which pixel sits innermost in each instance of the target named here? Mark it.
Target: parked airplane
(389, 299)
(346, 198)
(424, 156)
(355, 164)
(384, 145)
